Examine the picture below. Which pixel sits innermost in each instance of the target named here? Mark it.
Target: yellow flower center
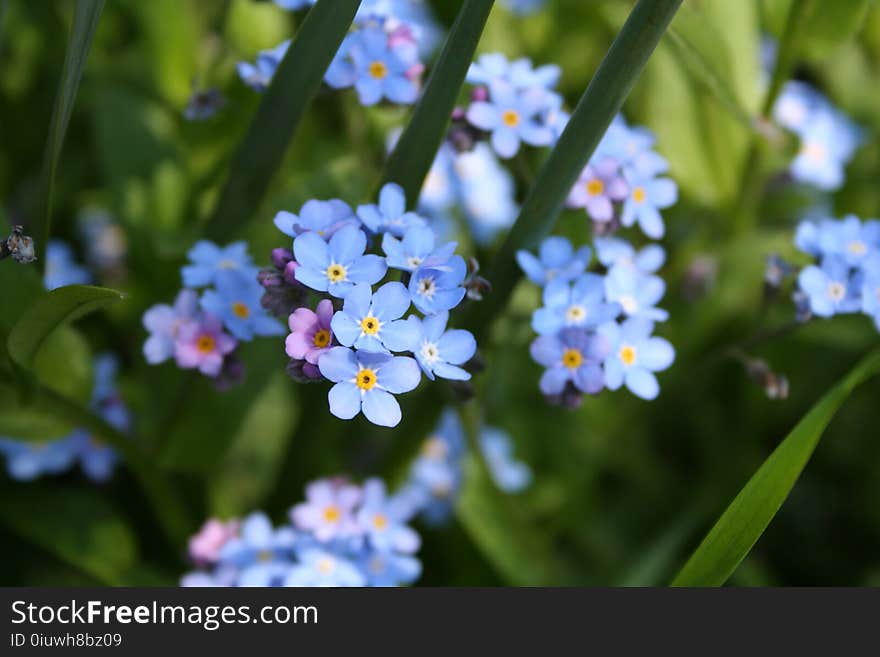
(227, 264)
(240, 310)
(205, 344)
(639, 194)
(322, 338)
(628, 355)
(572, 358)
(595, 187)
(326, 565)
(857, 247)
(264, 556)
(836, 291)
(366, 379)
(370, 325)
(336, 273)
(378, 70)
(814, 151)
(434, 448)
(510, 118)
(380, 522)
(332, 513)
(575, 314)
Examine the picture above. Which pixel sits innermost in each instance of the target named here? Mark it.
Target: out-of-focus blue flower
(617, 252)
(849, 239)
(439, 352)
(208, 260)
(25, 461)
(328, 512)
(236, 301)
(523, 7)
(203, 104)
(61, 267)
(371, 322)
(437, 288)
(599, 186)
(646, 197)
(258, 76)
(494, 67)
(637, 293)
(557, 260)
(827, 145)
(436, 475)
(336, 266)
(414, 18)
(368, 382)
(796, 104)
(321, 567)
(390, 215)
(164, 321)
(390, 568)
(415, 249)
(383, 521)
(321, 217)
(634, 356)
(260, 553)
(486, 192)
(294, 5)
(871, 290)
(509, 474)
(581, 305)
(632, 147)
(105, 241)
(512, 116)
(831, 288)
(571, 355)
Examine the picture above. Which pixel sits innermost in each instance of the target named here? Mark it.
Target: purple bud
(479, 94)
(458, 114)
(270, 278)
(280, 257)
(290, 273)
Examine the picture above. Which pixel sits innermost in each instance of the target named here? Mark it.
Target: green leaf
(294, 84)
(742, 524)
(826, 25)
(78, 526)
(85, 21)
(412, 157)
(54, 308)
(594, 112)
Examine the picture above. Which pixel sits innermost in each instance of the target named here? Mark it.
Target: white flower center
(413, 262)
(628, 303)
(430, 352)
(836, 291)
(427, 287)
(575, 314)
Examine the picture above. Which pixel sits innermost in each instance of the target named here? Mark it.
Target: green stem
(597, 108)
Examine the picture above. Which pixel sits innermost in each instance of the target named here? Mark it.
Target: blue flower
(236, 301)
(871, 290)
(321, 567)
(494, 67)
(828, 142)
(512, 117)
(383, 521)
(371, 322)
(634, 356)
(557, 261)
(390, 568)
(25, 461)
(259, 76)
(523, 7)
(368, 382)
(61, 268)
(796, 105)
(336, 266)
(573, 355)
(509, 475)
(390, 215)
(439, 352)
(437, 288)
(436, 475)
(294, 5)
(632, 147)
(616, 252)
(849, 239)
(416, 248)
(164, 321)
(831, 289)
(636, 293)
(261, 553)
(321, 217)
(208, 260)
(581, 304)
(646, 197)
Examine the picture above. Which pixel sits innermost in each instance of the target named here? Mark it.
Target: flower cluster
(353, 332)
(846, 277)
(202, 332)
(380, 57)
(27, 460)
(595, 329)
(827, 138)
(342, 535)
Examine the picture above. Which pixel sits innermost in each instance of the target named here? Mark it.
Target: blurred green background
(623, 489)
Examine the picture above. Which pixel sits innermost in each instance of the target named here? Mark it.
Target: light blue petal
(284, 221)
(401, 334)
(311, 251)
(642, 383)
(400, 374)
(553, 380)
(345, 328)
(390, 301)
(367, 269)
(545, 321)
(457, 346)
(656, 354)
(346, 245)
(451, 372)
(338, 364)
(392, 200)
(381, 408)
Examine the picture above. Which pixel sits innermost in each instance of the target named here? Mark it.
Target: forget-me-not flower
(637, 293)
(509, 474)
(371, 322)
(440, 352)
(557, 260)
(580, 304)
(617, 252)
(493, 67)
(571, 355)
(390, 215)
(208, 260)
(416, 247)
(512, 117)
(258, 76)
(164, 322)
(236, 300)
(599, 186)
(328, 512)
(437, 288)
(634, 355)
(383, 520)
(321, 217)
(831, 288)
(260, 553)
(645, 198)
(321, 567)
(61, 267)
(336, 266)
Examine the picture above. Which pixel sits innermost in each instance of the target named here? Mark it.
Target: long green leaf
(85, 21)
(742, 524)
(594, 112)
(47, 313)
(412, 157)
(293, 87)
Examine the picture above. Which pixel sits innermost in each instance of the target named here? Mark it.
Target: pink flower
(310, 332)
(328, 511)
(204, 547)
(202, 344)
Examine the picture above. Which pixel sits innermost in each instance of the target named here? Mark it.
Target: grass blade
(82, 31)
(742, 524)
(594, 112)
(50, 311)
(293, 87)
(411, 159)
